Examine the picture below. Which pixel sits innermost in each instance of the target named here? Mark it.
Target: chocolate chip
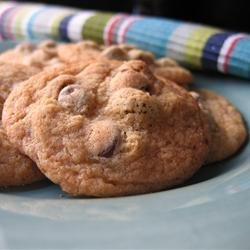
(137, 54)
(146, 88)
(74, 97)
(70, 89)
(47, 44)
(103, 138)
(114, 53)
(109, 150)
(166, 62)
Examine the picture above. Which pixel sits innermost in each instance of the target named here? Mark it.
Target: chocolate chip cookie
(15, 167)
(11, 74)
(163, 67)
(40, 55)
(107, 128)
(226, 125)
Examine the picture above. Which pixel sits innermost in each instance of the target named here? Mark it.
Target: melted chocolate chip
(109, 150)
(103, 139)
(75, 98)
(69, 89)
(146, 88)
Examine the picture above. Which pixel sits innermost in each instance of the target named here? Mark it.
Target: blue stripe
(63, 27)
(239, 61)
(212, 49)
(31, 22)
(151, 34)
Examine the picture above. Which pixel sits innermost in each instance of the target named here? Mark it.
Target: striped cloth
(196, 46)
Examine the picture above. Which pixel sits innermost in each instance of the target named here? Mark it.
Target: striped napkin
(194, 45)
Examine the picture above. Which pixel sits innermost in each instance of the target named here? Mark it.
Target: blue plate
(211, 211)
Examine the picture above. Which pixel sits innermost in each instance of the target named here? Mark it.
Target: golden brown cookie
(40, 55)
(226, 125)
(13, 73)
(15, 168)
(163, 67)
(78, 52)
(107, 128)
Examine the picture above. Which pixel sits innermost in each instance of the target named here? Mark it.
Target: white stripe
(5, 6)
(24, 25)
(41, 28)
(176, 45)
(123, 28)
(224, 50)
(108, 27)
(76, 24)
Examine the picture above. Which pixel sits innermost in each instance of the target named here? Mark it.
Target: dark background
(229, 14)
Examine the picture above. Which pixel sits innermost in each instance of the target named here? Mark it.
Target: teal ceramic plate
(210, 211)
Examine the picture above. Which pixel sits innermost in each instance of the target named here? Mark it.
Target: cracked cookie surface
(107, 128)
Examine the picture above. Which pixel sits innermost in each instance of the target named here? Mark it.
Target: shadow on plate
(214, 170)
(34, 186)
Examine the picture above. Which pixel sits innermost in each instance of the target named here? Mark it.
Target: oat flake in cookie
(107, 128)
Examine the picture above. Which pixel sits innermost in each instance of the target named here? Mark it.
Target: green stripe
(94, 27)
(18, 22)
(195, 45)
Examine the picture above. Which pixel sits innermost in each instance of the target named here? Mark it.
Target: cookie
(13, 73)
(163, 67)
(226, 125)
(107, 128)
(15, 168)
(78, 52)
(40, 55)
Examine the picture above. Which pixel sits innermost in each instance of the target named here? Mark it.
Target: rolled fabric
(194, 45)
